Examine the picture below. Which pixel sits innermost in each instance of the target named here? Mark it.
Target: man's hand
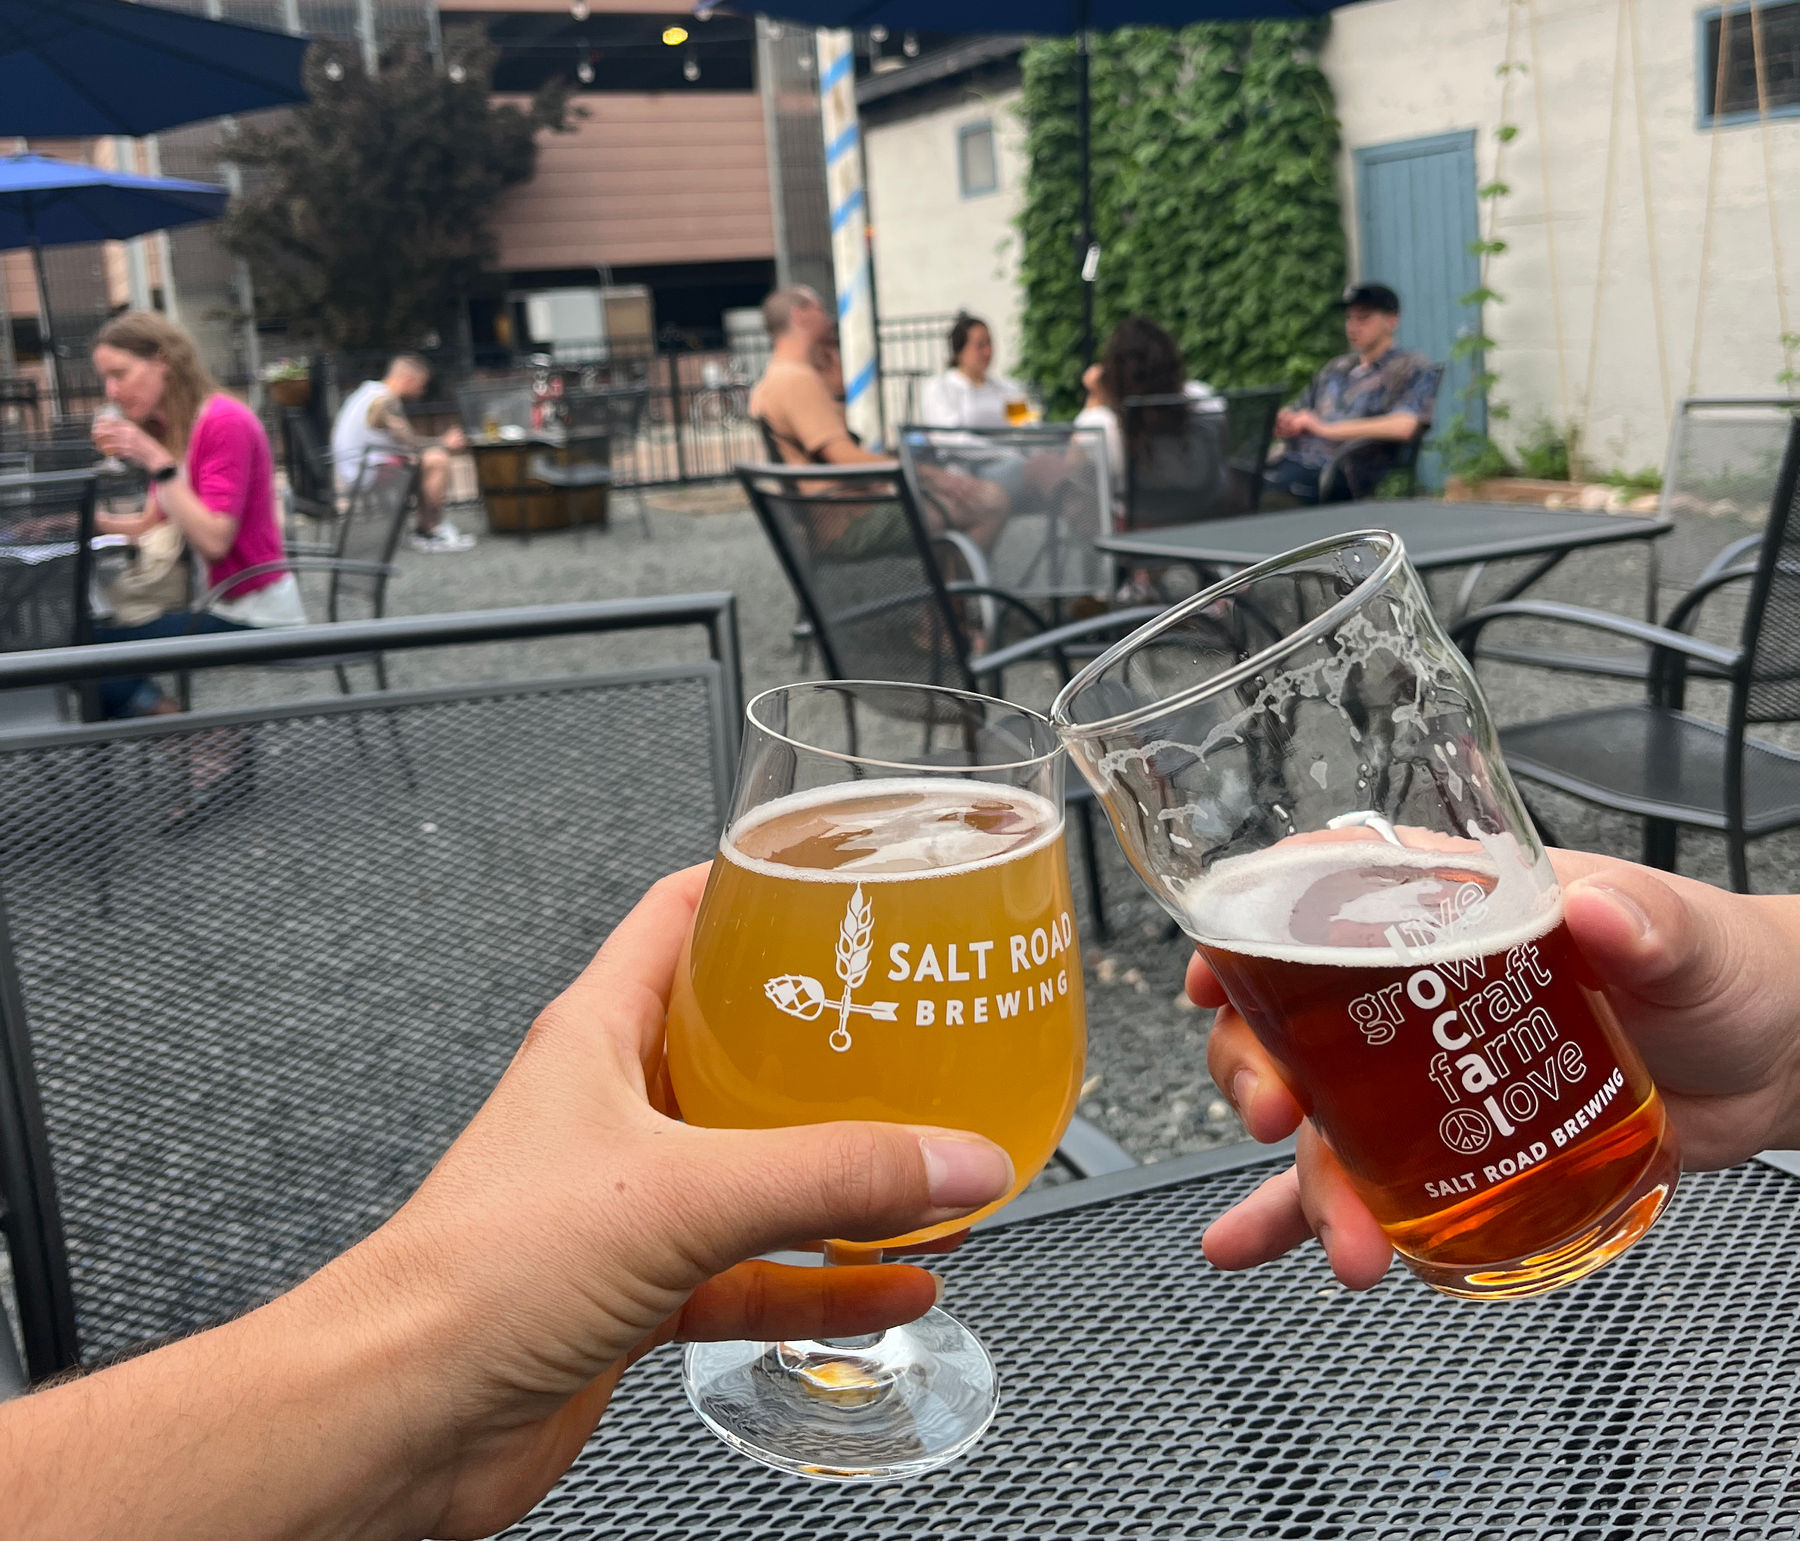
(573, 1226)
(1287, 422)
(455, 440)
(1706, 983)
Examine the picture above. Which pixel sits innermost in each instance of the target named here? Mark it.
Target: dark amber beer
(1446, 1038)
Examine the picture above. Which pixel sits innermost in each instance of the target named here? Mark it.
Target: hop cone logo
(797, 995)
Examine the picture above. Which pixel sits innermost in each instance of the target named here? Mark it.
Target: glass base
(874, 1409)
(1607, 1238)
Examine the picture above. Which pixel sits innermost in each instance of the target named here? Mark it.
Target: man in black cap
(1376, 392)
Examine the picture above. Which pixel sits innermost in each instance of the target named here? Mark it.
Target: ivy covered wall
(1215, 201)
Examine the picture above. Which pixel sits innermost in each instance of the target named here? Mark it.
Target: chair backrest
(386, 490)
(1175, 462)
(1250, 414)
(226, 1056)
(619, 408)
(494, 403)
(1723, 461)
(307, 465)
(46, 522)
(1770, 692)
(1056, 487)
(856, 550)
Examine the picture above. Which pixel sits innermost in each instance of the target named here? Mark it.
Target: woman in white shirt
(967, 394)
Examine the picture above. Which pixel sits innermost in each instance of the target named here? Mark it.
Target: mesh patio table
(1437, 535)
(1145, 1395)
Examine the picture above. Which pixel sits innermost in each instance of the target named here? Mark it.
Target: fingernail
(1243, 1088)
(938, 1280)
(965, 1174)
(1634, 911)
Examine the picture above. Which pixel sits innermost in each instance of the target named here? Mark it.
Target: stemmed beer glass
(1302, 770)
(883, 936)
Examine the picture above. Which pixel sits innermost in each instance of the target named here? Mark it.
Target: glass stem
(850, 1254)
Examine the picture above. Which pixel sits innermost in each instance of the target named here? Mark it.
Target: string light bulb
(909, 45)
(584, 71)
(878, 33)
(457, 73)
(674, 37)
(579, 9)
(333, 70)
(690, 69)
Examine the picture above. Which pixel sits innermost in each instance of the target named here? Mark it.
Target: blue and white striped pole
(849, 232)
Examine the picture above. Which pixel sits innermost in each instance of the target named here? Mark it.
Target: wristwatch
(166, 473)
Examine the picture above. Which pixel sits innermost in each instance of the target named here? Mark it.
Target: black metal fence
(691, 421)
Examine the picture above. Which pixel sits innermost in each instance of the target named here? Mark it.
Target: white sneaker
(444, 537)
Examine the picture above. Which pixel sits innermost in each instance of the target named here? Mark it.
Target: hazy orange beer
(899, 950)
(1302, 769)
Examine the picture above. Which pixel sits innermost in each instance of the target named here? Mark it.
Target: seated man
(794, 404)
(1376, 392)
(373, 420)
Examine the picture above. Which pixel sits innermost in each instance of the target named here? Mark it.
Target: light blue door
(1417, 224)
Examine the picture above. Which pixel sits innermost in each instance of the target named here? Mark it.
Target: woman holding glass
(212, 483)
(969, 394)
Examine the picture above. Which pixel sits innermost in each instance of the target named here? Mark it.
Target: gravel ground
(1147, 1086)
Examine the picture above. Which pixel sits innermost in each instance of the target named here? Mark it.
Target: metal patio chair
(46, 569)
(189, 1125)
(312, 493)
(1179, 470)
(1054, 477)
(1724, 460)
(1656, 759)
(1250, 413)
(881, 606)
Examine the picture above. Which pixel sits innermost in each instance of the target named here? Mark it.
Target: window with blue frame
(978, 161)
(1749, 62)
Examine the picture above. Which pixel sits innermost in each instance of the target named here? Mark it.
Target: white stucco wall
(1638, 323)
(935, 250)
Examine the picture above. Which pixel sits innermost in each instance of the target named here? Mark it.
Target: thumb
(1667, 941)
(756, 1190)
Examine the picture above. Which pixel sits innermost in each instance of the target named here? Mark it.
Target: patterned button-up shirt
(1401, 380)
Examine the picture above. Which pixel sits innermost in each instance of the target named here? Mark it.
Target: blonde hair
(146, 335)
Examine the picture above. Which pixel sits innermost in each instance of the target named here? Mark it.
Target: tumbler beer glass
(883, 936)
(1301, 768)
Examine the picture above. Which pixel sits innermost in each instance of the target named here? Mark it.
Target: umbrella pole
(1084, 113)
(52, 375)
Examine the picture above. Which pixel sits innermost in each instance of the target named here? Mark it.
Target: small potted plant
(288, 381)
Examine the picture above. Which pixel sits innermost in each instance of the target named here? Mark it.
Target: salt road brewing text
(1445, 1038)
(899, 949)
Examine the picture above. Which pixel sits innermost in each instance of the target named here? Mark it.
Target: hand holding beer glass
(1301, 768)
(880, 938)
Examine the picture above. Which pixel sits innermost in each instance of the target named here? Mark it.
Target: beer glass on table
(1301, 768)
(883, 936)
(1019, 411)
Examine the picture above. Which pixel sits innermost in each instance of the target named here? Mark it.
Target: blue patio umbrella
(45, 202)
(1057, 18)
(75, 68)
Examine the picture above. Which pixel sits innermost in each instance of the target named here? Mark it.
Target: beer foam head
(892, 829)
(1355, 900)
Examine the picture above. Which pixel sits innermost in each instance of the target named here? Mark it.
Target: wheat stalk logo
(802, 996)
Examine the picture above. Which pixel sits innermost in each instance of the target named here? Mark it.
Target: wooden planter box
(290, 393)
(1509, 489)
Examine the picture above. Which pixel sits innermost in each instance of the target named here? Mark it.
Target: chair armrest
(337, 564)
(1729, 556)
(1055, 641)
(961, 589)
(1467, 634)
(1690, 602)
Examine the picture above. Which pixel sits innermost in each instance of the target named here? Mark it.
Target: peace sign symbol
(1466, 1131)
